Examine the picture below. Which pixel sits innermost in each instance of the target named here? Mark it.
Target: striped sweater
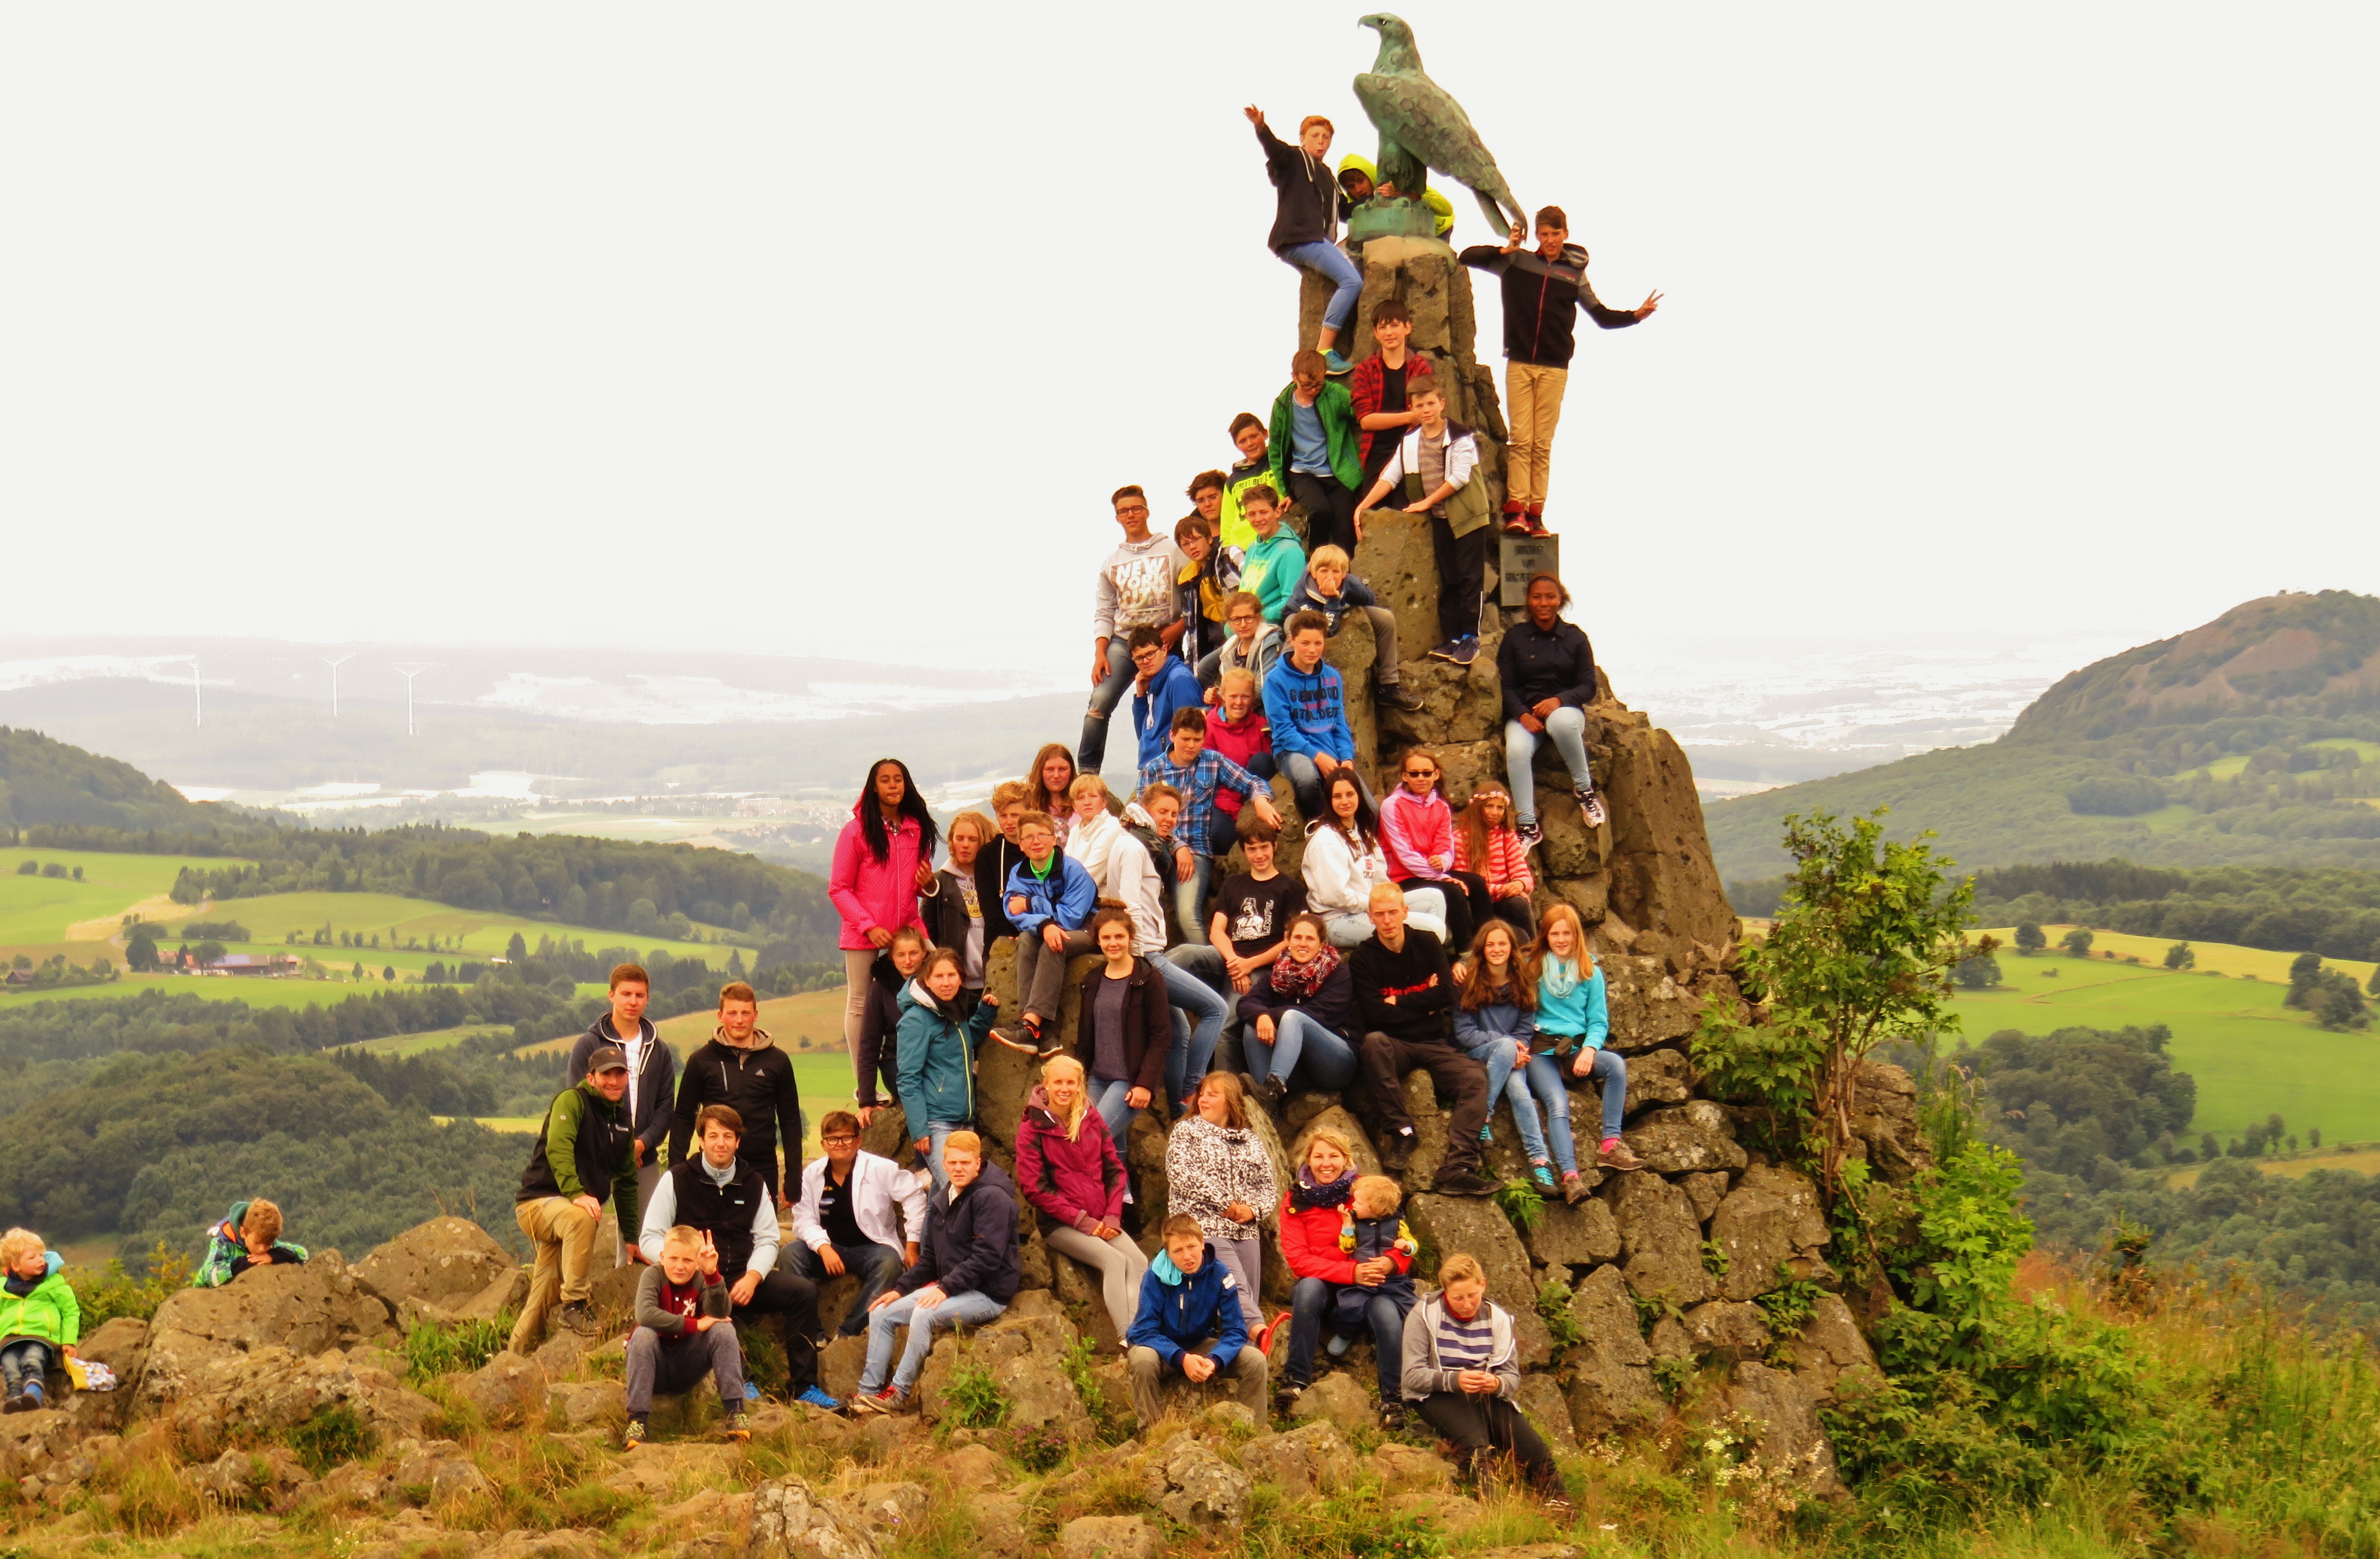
(1507, 866)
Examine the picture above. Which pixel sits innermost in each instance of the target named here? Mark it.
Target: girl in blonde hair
(1572, 1022)
(1069, 1169)
(40, 1318)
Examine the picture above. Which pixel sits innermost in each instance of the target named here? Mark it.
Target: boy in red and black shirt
(683, 1333)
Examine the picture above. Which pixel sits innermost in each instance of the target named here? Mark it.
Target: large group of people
(1210, 983)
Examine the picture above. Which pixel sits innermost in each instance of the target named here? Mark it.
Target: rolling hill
(2253, 740)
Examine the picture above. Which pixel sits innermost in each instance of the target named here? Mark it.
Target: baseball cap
(607, 1057)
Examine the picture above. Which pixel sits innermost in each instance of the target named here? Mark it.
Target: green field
(2251, 1056)
(41, 910)
(484, 933)
(2223, 957)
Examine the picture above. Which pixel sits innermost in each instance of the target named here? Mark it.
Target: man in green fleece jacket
(585, 1153)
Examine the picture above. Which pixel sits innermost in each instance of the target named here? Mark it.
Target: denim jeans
(1092, 750)
(1544, 1079)
(1190, 899)
(1298, 1037)
(970, 1308)
(1567, 726)
(875, 1266)
(936, 1133)
(1609, 1070)
(1332, 264)
(1206, 962)
(1193, 1050)
(1305, 779)
(1315, 1298)
(1107, 1096)
(1507, 1080)
(22, 1364)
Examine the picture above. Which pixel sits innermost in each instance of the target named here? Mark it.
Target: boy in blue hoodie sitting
(1305, 702)
(1190, 1321)
(1327, 587)
(1049, 899)
(249, 1236)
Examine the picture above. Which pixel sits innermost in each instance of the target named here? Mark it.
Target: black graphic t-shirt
(1257, 914)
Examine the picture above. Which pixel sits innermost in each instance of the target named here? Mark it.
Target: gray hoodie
(1136, 587)
(1422, 1375)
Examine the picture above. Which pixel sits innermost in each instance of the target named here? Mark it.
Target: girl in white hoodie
(1117, 863)
(1343, 863)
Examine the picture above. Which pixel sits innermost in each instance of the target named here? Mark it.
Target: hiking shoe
(1445, 651)
(1395, 1418)
(737, 1425)
(1401, 696)
(1516, 525)
(1590, 804)
(1336, 366)
(1618, 1156)
(577, 1316)
(1466, 649)
(1530, 834)
(1273, 1090)
(888, 1400)
(1285, 1399)
(812, 1396)
(1019, 1035)
(1397, 1152)
(1573, 1188)
(1542, 1177)
(33, 1397)
(634, 1436)
(1338, 1344)
(1463, 1182)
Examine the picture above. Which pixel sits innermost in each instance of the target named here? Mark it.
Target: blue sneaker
(1334, 365)
(751, 1392)
(1542, 1175)
(1487, 1133)
(812, 1396)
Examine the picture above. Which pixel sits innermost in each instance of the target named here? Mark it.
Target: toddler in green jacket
(40, 1320)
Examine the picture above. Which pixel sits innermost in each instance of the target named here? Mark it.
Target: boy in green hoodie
(249, 1236)
(40, 1320)
(1315, 450)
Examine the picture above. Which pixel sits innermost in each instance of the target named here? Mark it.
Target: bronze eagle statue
(1422, 126)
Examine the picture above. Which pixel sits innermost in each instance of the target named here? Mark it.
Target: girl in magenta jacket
(1417, 835)
(1068, 1168)
(884, 858)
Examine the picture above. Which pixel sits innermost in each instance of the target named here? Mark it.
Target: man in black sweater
(1404, 1004)
(742, 1067)
(1307, 207)
(652, 1079)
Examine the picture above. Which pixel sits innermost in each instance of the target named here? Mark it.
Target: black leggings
(1489, 1424)
(1467, 906)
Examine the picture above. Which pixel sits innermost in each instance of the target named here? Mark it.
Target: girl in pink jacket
(1417, 835)
(884, 856)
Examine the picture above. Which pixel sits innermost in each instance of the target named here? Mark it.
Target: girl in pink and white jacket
(1417, 835)
(882, 860)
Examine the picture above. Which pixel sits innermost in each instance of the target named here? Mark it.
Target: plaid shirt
(1199, 781)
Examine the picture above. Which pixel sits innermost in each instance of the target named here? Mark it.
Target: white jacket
(1121, 870)
(1338, 880)
(876, 1185)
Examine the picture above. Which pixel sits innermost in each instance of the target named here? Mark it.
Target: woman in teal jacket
(1572, 1022)
(938, 1042)
(40, 1318)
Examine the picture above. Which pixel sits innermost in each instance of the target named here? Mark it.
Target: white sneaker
(1590, 801)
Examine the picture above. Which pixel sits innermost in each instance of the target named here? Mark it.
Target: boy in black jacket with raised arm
(1308, 206)
(1544, 290)
(1405, 1005)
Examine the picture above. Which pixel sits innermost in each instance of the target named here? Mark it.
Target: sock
(1610, 1142)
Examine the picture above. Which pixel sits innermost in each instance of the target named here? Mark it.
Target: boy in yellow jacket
(40, 1320)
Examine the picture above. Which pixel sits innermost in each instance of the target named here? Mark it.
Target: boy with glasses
(1135, 590)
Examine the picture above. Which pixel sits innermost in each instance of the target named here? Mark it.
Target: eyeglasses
(837, 1142)
(1132, 508)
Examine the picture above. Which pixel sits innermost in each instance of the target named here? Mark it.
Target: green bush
(432, 1348)
(111, 1292)
(333, 1435)
(972, 1399)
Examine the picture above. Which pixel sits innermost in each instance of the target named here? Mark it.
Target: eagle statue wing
(1422, 117)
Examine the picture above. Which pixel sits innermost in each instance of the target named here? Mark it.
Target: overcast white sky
(828, 329)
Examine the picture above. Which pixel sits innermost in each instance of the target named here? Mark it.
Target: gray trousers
(1041, 975)
(1248, 1372)
(672, 1367)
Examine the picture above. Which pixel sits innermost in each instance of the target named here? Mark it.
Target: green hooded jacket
(50, 1312)
(1338, 409)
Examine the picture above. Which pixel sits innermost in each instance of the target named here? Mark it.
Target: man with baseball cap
(585, 1152)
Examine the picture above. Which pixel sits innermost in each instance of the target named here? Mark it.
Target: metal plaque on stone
(1523, 556)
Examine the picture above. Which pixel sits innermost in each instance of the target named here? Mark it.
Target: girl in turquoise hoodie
(39, 1318)
(1572, 1022)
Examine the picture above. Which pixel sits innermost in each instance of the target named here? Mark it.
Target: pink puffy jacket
(868, 892)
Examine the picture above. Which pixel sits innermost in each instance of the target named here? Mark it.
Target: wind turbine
(409, 674)
(335, 666)
(197, 697)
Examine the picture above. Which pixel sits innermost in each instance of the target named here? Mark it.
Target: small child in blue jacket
(1189, 1321)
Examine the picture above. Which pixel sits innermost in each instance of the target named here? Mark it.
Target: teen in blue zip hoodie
(1189, 1322)
(1305, 702)
(1048, 899)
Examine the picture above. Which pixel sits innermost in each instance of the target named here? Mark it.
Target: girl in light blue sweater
(1572, 1022)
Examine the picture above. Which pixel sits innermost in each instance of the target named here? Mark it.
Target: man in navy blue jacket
(1190, 1322)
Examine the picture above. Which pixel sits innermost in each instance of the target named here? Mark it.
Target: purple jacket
(1078, 1184)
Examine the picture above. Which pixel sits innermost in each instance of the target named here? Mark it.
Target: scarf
(1305, 1195)
(1294, 981)
(1559, 975)
(21, 1286)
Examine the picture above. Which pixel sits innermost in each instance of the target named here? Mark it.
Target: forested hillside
(2254, 740)
(47, 782)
